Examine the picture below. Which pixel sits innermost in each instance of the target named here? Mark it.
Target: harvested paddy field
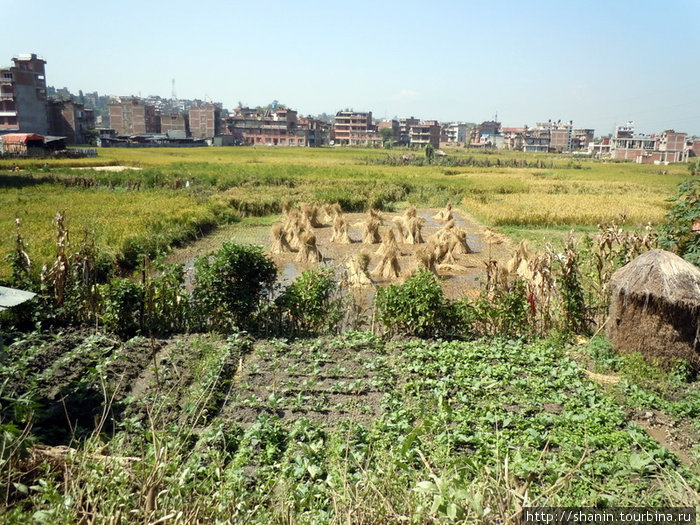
(462, 278)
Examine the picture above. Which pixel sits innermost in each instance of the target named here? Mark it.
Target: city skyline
(599, 64)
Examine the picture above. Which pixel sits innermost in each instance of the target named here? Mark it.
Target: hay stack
(308, 251)
(357, 270)
(311, 215)
(388, 267)
(413, 227)
(340, 231)
(293, 229)
(655, 309)
(280, 244)
(388, 243)
(445, 214)
(331, 211)
(370, 231)
(425, 258)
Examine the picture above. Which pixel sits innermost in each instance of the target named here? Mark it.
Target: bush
(677, 234)
(122, 306)
(230, 286)
(311, 304)
(418, 308)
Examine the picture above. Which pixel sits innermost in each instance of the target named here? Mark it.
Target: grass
(209, 185)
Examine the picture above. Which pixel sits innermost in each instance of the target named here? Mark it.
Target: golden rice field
(185, 186)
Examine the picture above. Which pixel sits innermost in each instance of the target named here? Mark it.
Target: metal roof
(10, 297)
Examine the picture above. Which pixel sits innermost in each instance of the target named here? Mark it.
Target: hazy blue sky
(598, 63)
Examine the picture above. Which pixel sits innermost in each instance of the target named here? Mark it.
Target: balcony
(7, 96)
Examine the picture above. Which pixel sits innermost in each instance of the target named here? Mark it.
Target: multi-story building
(131, 117)
(536, 140)
(317, 132)
(405, 129)
(175, 125)
(205, 120)
(352, 128)
(560, 134)
(581, 138)
(670, 146)
(274, 127)
(71, 120)
(420, 135)
(23, 101)
(392, 125)
(456, 132)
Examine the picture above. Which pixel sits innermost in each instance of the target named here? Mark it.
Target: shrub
(311, 304)
(417, 308)
(677, 234)
(230, 286)
(122, 306)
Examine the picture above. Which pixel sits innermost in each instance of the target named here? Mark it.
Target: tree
(429, 153)
(387, 136)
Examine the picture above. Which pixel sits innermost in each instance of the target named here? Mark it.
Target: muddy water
(463, 279)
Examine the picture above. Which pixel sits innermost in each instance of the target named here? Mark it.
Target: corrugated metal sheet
(10, 297)
(21, 138)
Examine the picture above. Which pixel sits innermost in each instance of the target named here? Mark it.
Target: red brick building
(23, 101)
(71, 120)
(352, 128)
(205, 121)
(131, 117)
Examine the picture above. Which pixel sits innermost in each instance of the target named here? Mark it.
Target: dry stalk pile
(388, 267)
(309, 251)
(358, 274)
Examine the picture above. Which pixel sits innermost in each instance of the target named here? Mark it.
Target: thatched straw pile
(388, 267)
(425, 258)
(293, 227)
(370, 230)
(311, 215)
(388, 243)
(340, 231)
(280, 244)
(655, 309)
(445, 214)
(331, 211)
(357, 270)
(308, 251)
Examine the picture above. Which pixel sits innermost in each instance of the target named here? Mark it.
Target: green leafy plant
(231, 285)
(312, 303)
(417, 308)
(679, 233)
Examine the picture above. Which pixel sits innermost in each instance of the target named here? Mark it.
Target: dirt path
(462, 279)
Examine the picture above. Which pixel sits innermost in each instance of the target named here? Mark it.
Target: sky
(598, 63)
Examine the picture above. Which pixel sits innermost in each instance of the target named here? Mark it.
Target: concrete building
(352, 128)
(560, 134)
(670, 146)
(23, 101)
(131, 117)
(428, 132)
(71, 120)
(205, 120)
(280, 127)
(317, 132)
(456, 132)
(405, 129)
(581, 138)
